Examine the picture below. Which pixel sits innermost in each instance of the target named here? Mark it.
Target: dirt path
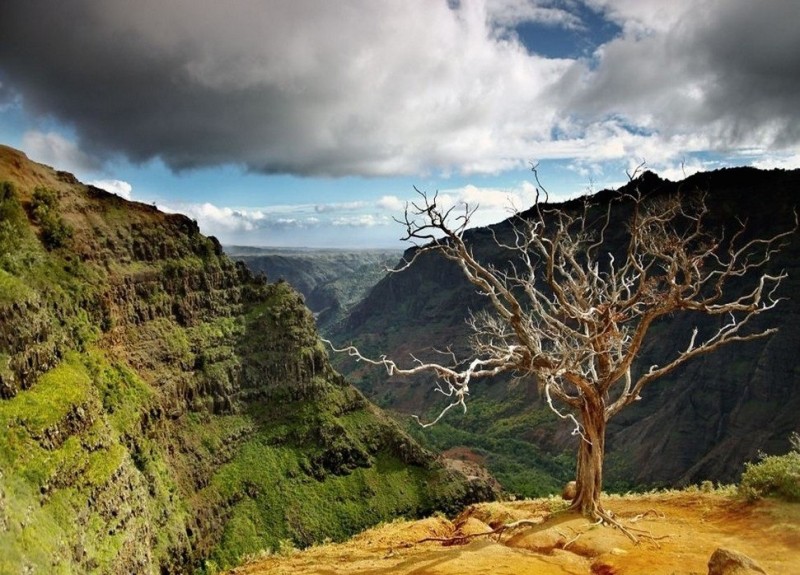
(679, 532)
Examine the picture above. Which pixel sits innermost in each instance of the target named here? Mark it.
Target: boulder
(727, 562)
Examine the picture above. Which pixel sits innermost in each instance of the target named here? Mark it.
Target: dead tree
(573, 310)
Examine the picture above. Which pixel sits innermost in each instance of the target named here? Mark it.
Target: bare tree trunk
(589, 477)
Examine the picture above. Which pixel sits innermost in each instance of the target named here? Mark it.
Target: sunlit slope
(164, 411)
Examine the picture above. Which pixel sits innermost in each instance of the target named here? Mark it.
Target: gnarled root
(460, 539)
(604, 517)
(599, 515)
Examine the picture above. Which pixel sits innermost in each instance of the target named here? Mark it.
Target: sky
(310, 122)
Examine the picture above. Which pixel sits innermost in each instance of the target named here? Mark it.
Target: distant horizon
(403, 245)
(227, 247)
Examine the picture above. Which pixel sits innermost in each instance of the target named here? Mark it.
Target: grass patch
(283, 503)
(123, 393)
(48, 402)
(13, 289)
(103, 464)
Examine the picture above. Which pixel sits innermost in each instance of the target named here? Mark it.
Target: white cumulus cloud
(58, 151)
(391, 203)
(119, 187)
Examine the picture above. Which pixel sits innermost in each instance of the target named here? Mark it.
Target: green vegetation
(13, 289)
(46, 405)
(777, 475)
(18, 247)
(495, 431)
(163, 410)
(315, 476)
(59, 453)
(331, 281)
(45, 213)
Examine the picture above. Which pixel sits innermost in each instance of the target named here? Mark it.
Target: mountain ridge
(701, 423)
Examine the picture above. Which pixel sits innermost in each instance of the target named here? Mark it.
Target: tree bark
(589, 477)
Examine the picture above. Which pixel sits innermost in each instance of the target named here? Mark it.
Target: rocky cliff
(331, 281)
(701, 422)
(162, 410)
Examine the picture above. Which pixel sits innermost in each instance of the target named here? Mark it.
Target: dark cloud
(726, 70)
(285, 86)
(127, 90)
(748, 56)
(7, 96)
(399, 86)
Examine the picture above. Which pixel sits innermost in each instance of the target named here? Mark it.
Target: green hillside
(163, 411)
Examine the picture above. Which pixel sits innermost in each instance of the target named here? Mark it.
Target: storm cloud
(399, 87)
(726, 72)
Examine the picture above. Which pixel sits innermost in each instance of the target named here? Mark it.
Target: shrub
(10, 213)
(44, 209)
(777, 475)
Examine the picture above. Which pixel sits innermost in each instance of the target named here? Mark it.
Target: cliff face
(331, 281)
(703, 421)
(164, 411)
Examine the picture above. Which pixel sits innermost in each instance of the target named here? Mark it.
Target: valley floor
(678, 532)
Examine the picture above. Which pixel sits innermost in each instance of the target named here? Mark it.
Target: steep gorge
(164, 411)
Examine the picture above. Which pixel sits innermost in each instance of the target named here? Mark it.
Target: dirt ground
(677, 532)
